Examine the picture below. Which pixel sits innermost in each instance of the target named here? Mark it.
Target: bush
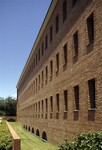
(5, 137)
(84, 141)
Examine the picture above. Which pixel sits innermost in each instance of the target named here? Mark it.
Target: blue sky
(20, 21)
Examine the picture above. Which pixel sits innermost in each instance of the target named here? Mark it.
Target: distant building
(60, 88)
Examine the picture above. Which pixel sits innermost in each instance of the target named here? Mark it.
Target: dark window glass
(91, 84)
(76, 94)
(51, 103)
(64, 10)
(57, 23)
(65, 53)
(74, 2)
(57, 101)
(57, 61)
(66, 100)
(50, 33)
(75, 36)
(90, 26)
(46, 42)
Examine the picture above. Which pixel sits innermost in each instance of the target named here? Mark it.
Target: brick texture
(87, 66)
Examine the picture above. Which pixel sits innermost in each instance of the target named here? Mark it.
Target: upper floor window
(91, 85)
(51, 69)
(57, 23)
(90, 27)
(75, 38)
(64, 10)
(74, 2)
(65, 54)
(57, 62)
(66, 100)
(39, 53)
(42, 49)
(46, 42)
(46, 74)
(57, 101)
(51, 104)
(42, 78)
(36, 59)
(50, 33)
(76, 94)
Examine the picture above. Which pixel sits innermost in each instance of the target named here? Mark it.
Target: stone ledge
(15, 138)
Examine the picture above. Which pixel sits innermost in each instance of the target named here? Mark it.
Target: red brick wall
(88, 66)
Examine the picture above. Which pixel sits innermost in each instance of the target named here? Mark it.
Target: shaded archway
(26, 127)
(33, 130)
(29, 128)
(37, 132)
(44, 136)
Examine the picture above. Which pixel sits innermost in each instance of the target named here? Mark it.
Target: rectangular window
(46, 103)
(34, 63)
(36, 59)
(39, 53)
(65, 54)
(66, 100)
(51, 34)
(91, 85)
(36, 84)
(39, 82)
(75, 37)
(46, 42)
(76, 94)
(46, 74)
(42, 78)
(90, 27)
(42, 49)
(57, 23)
(64, 10)
(57, 101)
(57, 62)
(51, 103)
(74, 2)
(51, 68)
(39, 106)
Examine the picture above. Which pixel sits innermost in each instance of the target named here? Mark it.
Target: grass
(29, 141)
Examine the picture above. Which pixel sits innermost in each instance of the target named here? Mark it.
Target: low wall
(15, 137)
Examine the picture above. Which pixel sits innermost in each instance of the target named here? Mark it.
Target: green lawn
(29, 141)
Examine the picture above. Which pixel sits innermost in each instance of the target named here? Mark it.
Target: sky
(20, 22)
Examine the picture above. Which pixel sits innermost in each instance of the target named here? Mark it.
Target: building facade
(60, 89)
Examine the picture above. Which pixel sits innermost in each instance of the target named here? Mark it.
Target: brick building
(60, 89)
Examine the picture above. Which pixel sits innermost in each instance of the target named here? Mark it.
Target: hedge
(5, 137)
(84, 141)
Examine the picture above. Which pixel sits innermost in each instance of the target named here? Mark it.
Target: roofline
(43, 26)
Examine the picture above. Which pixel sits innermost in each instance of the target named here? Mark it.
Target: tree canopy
(8, 106)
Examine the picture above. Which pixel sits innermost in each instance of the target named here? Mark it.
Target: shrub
(5, 137)
(84, 141)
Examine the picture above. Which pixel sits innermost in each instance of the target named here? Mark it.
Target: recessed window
(36, 84)
(39, 106)
(65, 54)
(42, 78)
(51, 103)
(57, 102)
(75, 38)
(74, 2)
(91, 86)
(39, 54)
(42, 103)
(46, 42)
(46, 74)
(76, 95)
(64, 10)
(39, 82)
(36, 59)
(57, 23)
(57, 62)
(51, 34)
(42, 49)
(65, 100)
(51, 69)
(46, 103)
(90, 27)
